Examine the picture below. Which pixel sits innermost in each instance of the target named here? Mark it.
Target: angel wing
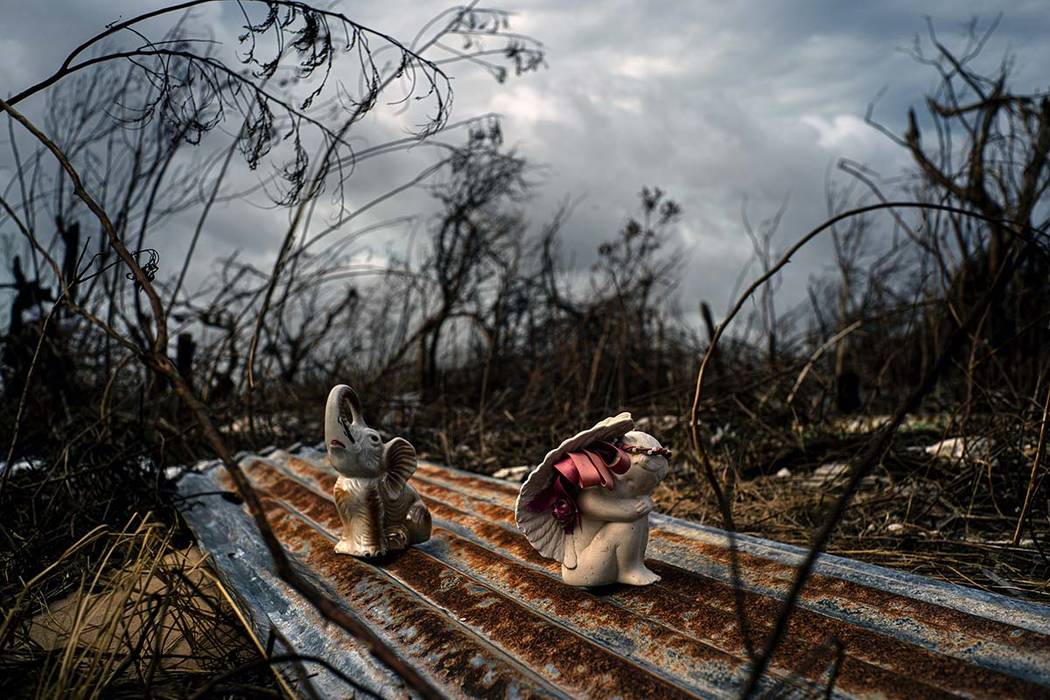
(549, 538)
(543, 532)
(399, 459)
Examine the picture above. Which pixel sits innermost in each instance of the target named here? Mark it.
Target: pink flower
(560, 502)
(564, 511)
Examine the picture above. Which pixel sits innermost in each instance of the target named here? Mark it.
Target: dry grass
(138, 617)
(924, 511)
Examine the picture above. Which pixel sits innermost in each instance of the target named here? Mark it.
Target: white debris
(21, 466)
(721, 433)
(237, 425)
(863, 424)
(828, 473)
(656, 424)
(869, 424)
(894, 527)
(1023, 542)
(784, 473)
(970, 449)
(512, 473)
(836, 474)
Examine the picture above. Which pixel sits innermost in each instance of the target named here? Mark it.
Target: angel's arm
(599, 504)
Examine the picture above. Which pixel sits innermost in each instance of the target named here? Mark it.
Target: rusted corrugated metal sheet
(482, 615)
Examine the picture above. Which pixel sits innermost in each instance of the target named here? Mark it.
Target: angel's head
(649, 464)
(354, 449)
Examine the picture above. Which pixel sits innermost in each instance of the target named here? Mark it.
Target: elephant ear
(399, 458)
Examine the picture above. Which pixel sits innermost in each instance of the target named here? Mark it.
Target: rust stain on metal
(953, 626)
(570, 661)
(774, 574)
(704, 608)
(465, 664)
(952, 622)
(661, 646)
(480, 611)
(590, 669)
(952, 631)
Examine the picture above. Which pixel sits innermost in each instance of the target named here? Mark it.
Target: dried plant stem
(14, 609)
(816, 356)
(694, 412)
(246, 626)
(7, 466)
(157, 359)
(864, 465)
(724, 506)
(160, 342)
(1040, 450)
(317, 182)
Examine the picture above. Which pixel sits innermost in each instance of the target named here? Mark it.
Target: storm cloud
(717, 103)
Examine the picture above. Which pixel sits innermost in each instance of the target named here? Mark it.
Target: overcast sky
(713, 101)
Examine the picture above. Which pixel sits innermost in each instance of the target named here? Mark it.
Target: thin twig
(863, 466)
(1036, 460)
(156, 358)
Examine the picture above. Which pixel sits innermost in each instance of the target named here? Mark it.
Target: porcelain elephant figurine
(380, 511)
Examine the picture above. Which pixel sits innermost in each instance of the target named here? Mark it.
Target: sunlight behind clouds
(713, 102)
(648, 67)
(524, 103)
(843, 131)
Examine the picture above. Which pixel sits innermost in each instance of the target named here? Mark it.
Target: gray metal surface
(479, 613)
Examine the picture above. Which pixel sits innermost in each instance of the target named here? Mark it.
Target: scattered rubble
(512, 473)
(962, 449)
(656, 424)
(21, 465)
(834, 474)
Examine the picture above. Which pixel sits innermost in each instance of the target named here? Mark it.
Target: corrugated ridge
(704, 609)
(1009, 611)
(973, 639)
(427, 636)
(428, 576)
(874, 661)
(226, 533)
(459, 538)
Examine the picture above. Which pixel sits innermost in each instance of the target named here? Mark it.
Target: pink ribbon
(591, 465)
(582, 469)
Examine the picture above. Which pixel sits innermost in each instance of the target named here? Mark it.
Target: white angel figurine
(380, 512)
(587, 504)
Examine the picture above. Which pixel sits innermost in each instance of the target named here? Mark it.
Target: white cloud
(712, 101)
(648, 67)
(842, 131)
(526, 104)
(628, 104)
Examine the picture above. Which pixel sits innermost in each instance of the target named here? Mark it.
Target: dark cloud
(715, 102)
